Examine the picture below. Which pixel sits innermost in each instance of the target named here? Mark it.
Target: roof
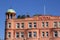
(11, 10)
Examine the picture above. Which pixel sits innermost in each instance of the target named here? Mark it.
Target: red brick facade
(47, 27)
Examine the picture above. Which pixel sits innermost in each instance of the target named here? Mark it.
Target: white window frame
(29, 34)
(34, 34)
(17, 34)
(35, 24)
(55, 24)
(59, 24)
(30, 24)
(9, 34)
(47, 34)
(55, 33)
(43, 34)
(43, 24)
(9, 25)
(22, 25)
(17, 24)
(22, 33)
(58, 33)
(47, 24)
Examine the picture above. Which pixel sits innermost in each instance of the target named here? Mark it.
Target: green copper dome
(11, 10)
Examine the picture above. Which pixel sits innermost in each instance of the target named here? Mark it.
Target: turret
(10, 14)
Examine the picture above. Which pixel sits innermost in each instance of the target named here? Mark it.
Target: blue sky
(31, 6)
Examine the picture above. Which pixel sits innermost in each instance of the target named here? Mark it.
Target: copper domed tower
(10, 14)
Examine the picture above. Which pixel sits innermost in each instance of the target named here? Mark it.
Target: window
(17, 34)
(59, 24)
(46, 34)
(30, 34)
(42, 24)
(30, 25)
(22, 25)
(58, 33)
(22, 34)
(55, 33)
(34, 24)
(46, 24)
(9, 34)
(55, 24)
(9, 25)
(35, 34)
(17, 25)
(42, 34)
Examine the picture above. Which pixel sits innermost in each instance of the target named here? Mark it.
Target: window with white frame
(18, 25)
(9, 25)
(34, 24)
(46, 24)
(17, 34)
(46, 34)
(55, 33)
(55, 24)
(29, 34)
(58, 33)
(9, 34)
(42, 34)
(59, 24)
(22, 25)
(30, 25)
(35, 34)
(22, 34)
(42, 24)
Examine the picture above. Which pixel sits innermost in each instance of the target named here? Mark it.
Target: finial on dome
(11, 10)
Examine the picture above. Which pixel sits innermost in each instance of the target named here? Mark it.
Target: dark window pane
(9, 25)
(18, 25)
(9, 34)
(56, 34)
(30, 34)
(47, 24)
(42, 24)
(43, 34)
(22, 34)
(17, 34)
(35, 24)
(22, 25)
(35, 34)
(30, 25)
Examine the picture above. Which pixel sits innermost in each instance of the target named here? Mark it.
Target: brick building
(43, 27)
